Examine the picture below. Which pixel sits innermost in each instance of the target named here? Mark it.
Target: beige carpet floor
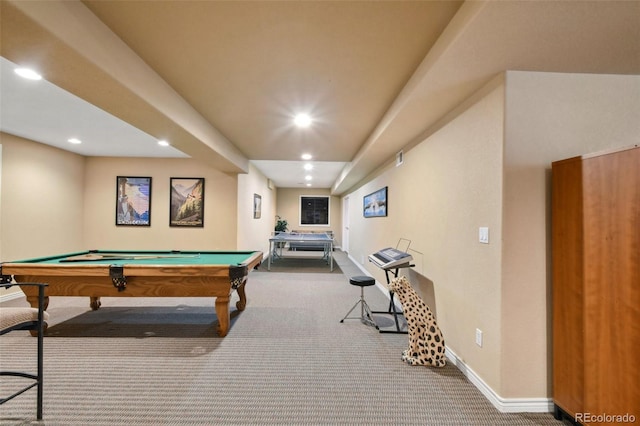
(287, 360)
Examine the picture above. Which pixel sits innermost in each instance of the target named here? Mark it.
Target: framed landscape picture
(133, 201)
(375, 204)
(186, 207)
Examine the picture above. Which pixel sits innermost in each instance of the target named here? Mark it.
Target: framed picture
(375, 204)
(186, 207)
(257, 206)
(133, 201)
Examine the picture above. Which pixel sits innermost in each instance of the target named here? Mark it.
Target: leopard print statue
(426, 344)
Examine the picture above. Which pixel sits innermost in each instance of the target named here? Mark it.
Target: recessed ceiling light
(306, 156)
(28, 74)
(308, 166)
(163, 143)
(308, 177)
(302, 120)
(74, 141)
(308, 184)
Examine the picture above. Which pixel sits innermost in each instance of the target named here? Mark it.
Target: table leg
(95, 303)
(331, 255)
(222, 311)
(240, 304)
(33, 301)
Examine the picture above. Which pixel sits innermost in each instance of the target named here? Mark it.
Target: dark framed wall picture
(375, 204)
(257, 206)
(186, 207)
(133, 201)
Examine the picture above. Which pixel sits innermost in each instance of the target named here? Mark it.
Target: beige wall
(54, 201)
(288, 207)
(490, 166)
(549, 117)
(42, 199)
(253, 234)
(447, 187)
(220, 211)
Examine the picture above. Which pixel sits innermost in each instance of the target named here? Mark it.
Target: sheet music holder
(403, 245)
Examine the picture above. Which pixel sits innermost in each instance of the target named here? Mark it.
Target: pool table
(110, 273)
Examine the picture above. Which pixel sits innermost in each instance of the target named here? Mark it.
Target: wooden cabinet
(596, 286)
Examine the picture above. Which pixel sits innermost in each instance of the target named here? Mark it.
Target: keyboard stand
(392, 306)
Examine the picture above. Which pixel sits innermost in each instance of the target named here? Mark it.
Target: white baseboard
(504, 405)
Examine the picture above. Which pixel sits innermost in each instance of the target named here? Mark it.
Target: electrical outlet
(478, 337)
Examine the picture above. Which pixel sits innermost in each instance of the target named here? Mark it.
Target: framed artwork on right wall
(375, 204)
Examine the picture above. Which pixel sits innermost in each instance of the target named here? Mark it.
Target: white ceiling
(43, 112)
(222, 80)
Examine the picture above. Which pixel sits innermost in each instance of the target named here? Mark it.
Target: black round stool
(365, 317)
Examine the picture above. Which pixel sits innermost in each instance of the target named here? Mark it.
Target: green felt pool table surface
(141, 274)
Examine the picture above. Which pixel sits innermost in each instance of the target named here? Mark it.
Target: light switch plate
(483, 235)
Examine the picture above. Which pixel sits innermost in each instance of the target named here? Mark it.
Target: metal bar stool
(365, 317)
(26, 319)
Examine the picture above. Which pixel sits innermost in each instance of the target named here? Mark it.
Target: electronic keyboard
(390, 258)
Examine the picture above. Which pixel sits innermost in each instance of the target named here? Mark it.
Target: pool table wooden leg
(240, 304)
(222, 311)
(33, 301)
(95, 303)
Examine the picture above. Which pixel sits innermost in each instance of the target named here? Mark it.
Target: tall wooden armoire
(596, 286)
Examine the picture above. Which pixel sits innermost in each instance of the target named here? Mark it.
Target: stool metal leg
(365, 312)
